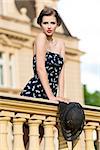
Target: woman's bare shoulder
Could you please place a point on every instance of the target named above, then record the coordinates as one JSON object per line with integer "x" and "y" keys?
{"x": 61, "y": 42}
{"x": 41, "y": 36}
{"x": 40, "y": 43}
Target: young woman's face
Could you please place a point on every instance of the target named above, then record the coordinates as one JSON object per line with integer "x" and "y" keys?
{"x": 49, "y": 25}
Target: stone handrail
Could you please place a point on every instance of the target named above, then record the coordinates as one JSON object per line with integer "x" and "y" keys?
{"x": 23, "y": 115}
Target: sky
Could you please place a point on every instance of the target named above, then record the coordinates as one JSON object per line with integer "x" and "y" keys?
{"x": 82, "y": 20}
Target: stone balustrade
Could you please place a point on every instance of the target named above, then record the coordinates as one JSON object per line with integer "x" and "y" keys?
{"x": 32, "y": 124}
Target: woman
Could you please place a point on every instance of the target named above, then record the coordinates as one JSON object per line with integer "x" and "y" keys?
{"x": 48, "y": 60}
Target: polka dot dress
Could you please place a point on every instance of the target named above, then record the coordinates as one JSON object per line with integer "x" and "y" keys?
{"x": 53, "y": 64}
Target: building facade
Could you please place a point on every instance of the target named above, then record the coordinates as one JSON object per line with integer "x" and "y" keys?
{"x": 18, "y": 30}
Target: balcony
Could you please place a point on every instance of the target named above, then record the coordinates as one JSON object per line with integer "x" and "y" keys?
{"x": 21, "y": 114}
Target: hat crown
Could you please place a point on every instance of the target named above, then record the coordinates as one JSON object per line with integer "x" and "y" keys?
{"x": 73, "y": 117}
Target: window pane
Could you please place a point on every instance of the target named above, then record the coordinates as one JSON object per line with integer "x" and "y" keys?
{"x": 10, "y": 75}
{"x": 1, "y": 68}
{"x": 1, "y": 75}
{"x": 11, "y": 78}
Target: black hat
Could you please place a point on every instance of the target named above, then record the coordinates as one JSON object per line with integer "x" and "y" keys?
{"x": 72, "y": 120}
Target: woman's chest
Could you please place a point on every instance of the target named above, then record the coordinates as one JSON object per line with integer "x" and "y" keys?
{"x": 54, "y": 47}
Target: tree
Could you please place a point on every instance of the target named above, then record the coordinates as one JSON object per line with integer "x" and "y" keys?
{"x": 91, "y": 98}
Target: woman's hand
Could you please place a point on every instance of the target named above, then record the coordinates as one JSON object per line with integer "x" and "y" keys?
{"x": 59, "y": 99}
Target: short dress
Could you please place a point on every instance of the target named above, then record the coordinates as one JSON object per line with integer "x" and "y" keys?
{"x": 53, "y": 64}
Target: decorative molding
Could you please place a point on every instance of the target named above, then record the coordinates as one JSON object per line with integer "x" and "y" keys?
{"x": 16, "y": 35}
{"x": 8, "y": 90}
{"x": 4, "y": 40}
{"x": 15, "y": 40}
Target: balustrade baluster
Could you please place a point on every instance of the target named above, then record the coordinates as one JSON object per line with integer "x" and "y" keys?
{"x": 3, "y": 132}
{"x": 10, "y": 136}
{"x": 78, "y": 144}
{"x": 34, "y": 134}
{"x": 98, "y": 138}
{"x": 89, "y": 143}
{"x": 18, "y": 133}
{"x": 56, "y": 142}
{"x": 49, "y": 135}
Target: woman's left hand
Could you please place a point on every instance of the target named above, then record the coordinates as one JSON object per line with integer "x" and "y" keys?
{"x": 61, "y": 99}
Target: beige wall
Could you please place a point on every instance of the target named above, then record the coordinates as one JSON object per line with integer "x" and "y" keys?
{"x": 73, "y": 87}
{"x": 25, "y": 66}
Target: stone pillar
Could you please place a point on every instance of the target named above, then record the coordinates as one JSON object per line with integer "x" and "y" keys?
{"x": 89, "y": 143}
{"x": 3, "y": 132}
{"x": 34, "y": 134}
{"x": 40, "y": 4}
{"x": 18, "y": 133}
{"x": 98, "y": 137}
{"x": 49, "y": 135}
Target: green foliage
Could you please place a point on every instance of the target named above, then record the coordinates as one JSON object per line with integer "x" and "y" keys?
{"x": 91, "y": 98}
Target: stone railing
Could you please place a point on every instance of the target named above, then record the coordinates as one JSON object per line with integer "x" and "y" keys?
{"x": 23, "y": 120}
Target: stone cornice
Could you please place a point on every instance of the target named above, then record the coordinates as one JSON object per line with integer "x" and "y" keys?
{"x": 17, "y": 35}
{"x": 5, "y": 41}
{"x": 73, "y": 51}
{"x": 15, "y": 39}
{"x": 13, "y": 19}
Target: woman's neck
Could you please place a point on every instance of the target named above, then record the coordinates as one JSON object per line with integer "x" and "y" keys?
{"x": 49, "y": 38}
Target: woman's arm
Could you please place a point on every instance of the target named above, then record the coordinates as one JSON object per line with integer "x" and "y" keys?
{"x": 61, "y": 77}
{"x": 41, "y": 70}
{"x": 61, "y": 83}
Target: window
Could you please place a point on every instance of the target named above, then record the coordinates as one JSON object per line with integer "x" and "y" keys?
{"x": 11, "y": 76}
{"x": 7, "y": 69}
{"x": 1, "y": 69}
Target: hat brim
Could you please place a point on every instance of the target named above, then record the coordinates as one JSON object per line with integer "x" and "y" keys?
{"x": 74, "y": 133}
{"x": 70, "y": 135}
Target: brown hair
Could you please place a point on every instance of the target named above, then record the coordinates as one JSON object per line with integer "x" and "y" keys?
{"x": 48, "y": 11}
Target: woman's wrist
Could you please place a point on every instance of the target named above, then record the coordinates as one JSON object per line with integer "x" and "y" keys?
{"x": 51, "y": 97}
